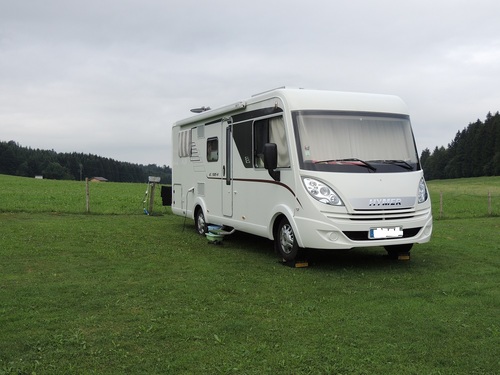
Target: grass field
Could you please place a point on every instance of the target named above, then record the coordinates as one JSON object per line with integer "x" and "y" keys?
{"x": 466, "y": 197}
{"x": 118, "y": 292}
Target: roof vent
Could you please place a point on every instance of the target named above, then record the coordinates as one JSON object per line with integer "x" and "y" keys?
{"x": 200, "y": 110}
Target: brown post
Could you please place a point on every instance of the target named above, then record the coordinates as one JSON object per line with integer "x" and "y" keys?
{"x": 490, "y": 209}
{"x": 87, "y": 194}
{"x": 440, "y": 205}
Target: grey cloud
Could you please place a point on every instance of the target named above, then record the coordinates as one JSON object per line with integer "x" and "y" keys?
{"x": 110, "y": 77}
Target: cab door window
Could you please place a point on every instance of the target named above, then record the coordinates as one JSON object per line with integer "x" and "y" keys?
{"x": 270, "y": 130}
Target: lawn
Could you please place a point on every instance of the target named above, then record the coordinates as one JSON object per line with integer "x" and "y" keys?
{"x": 118, "y": 292}
{"x": 18, "y": 194}
{"x": 467, "y": 197}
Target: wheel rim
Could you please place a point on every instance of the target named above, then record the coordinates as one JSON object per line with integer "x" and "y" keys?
{"x": 286, "y": 239}
{"x": 201, "y": 223}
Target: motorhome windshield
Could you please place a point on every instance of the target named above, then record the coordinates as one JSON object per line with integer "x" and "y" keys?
{"x": 355, "y": 143}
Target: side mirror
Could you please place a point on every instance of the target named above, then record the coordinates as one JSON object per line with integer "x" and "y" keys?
{"x": 271, "y": 160}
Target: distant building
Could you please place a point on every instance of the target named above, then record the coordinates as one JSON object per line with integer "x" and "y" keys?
{"x": 98, "y": 179}
{"x": 39, "y": 177}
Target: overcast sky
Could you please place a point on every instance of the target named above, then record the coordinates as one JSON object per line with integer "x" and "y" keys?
{"x": 110, "y": 77}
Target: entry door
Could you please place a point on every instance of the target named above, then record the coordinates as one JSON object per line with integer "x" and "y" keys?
{"x": 227, "y": 169}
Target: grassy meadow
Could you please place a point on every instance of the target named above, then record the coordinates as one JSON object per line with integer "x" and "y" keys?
{"x": 116, "y": 291}
{"x": 465, "y": 198}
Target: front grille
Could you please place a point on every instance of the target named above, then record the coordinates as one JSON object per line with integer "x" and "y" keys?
{"x": 395, "y": 214}
{"x": 363, "y": 235}
{"x": 377, "y": 215}
{"x": 370, "y": 216}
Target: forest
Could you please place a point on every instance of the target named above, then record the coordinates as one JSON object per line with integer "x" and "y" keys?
{"x": 474, "y": 152}
{"x": 24, "y": 161}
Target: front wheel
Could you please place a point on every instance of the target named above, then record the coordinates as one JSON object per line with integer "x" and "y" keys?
{"x": 285, "y": 242}
{"x": 201, "y": 224}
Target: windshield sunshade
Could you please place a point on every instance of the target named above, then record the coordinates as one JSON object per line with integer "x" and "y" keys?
{"x": 328, "y": 141}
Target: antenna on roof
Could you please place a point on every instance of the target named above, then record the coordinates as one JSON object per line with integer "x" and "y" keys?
{"x": 200, "y": 110}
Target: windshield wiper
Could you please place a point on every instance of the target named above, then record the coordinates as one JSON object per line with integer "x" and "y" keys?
{"x": 399, "y": 163}
{"x": 363, "y": 163}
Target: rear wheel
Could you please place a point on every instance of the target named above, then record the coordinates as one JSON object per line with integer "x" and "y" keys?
{"x": 285, "y": 242}
{"x": 394, "y": 251}
{"x": 199, "y": 220}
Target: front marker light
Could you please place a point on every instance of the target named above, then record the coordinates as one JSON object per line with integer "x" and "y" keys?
{"x": 322, "y": 192}
{"x": 422, "y": 191}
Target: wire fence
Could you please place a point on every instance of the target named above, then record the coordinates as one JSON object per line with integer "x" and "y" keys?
{"x": 448, "y": 205}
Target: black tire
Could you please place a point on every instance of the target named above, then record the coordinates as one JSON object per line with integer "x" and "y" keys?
{"x": 394, "y": 251}
{"x": 200, "y": 222}
{"x": 285, "y": 242}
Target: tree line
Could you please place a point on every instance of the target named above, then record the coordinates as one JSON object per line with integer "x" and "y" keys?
{"x": 24, "y": 161}
{"x": 474, "y": 152}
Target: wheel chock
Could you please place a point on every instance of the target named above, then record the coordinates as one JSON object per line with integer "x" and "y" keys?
{"x": 404, "y": 257}
{"x": 296, "y": 263}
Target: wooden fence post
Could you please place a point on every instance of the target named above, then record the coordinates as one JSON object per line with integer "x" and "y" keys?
{"x": 490, "y": 209}
{"x": 440, "y": 205}
{"x": 87, "y": 194}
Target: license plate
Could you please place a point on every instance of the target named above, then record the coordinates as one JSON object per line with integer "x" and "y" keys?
{"x": 378, "y": 233}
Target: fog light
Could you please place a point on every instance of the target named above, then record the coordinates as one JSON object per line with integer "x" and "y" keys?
{"x": 334, "y": 236}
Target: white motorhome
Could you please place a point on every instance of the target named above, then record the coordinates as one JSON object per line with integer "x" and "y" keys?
{"x": 305, "y": 168}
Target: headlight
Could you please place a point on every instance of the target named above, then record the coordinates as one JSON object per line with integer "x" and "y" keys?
{"x": 322, "y": 192}
{"x": 422, "y": 191}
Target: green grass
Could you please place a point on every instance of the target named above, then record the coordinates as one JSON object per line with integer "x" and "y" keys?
{"x": 467, "y": 197}
{"x": 19, "y": 194}
{"x": 130, "y": 293}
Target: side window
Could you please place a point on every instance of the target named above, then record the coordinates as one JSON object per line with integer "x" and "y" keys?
{"x": 270, "y": 130}
{"x": 260, "y": 138}
{"x": 212, "y": 149}
{"x": 184, "y": 143}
